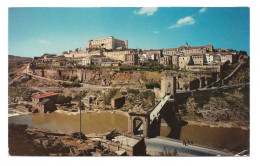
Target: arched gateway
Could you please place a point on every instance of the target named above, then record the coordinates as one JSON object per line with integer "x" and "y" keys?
{"x": 138, "y": 123}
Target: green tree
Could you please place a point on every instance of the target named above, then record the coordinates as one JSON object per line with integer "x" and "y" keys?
{"x": 151, "y": 85}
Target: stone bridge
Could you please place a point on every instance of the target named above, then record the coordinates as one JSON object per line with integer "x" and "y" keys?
{"x": 147, "y": 122}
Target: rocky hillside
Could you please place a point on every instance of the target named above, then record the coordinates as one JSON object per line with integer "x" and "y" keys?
{"x": 229, "y": 106}
{"x": 127, "y": 78}
{"x": 17, "y": 61}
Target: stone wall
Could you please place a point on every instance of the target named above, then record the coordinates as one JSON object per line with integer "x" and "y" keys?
{"x": 117, "y": 78}
{"x": 53, "y": 74}
{"x": 198, "y": 68}
{"x": 38, "y": 72}
{"x": 23, "y": 108}
{"x": 137, "y": 150}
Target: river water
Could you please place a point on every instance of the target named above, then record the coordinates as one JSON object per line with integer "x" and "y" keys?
{"x": 232, "y": 139}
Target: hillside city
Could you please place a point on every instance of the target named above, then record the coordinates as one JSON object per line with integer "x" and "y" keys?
{"x": 136, "y": 100}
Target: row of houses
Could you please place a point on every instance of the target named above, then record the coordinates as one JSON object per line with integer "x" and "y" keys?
{"x": 102, "y": 52}
{"x": 134, "y": 58}
{"x": 199, "y": 59}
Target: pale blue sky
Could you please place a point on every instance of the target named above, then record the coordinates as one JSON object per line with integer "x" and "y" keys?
{"x": 35, "y": 31}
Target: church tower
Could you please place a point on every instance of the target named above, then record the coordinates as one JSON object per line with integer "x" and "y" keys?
{"x": 186, "y": 44}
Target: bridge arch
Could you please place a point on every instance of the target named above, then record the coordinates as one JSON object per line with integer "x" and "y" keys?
{"x": 138, "y": 124}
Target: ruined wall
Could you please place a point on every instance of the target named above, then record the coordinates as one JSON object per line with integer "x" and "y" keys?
{"x": 53, "y": 74}
{"x": 194, "y": 84}
{"x": 117, "y": 78}
{"x": 117, "y": 102}
{"x": 38, "y": 72}
{"x": 113, "y": 146}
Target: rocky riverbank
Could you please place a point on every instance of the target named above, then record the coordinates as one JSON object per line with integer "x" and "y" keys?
{"x": 96, "y": 111}
{"x": 244, "y": 126}
{"x": 28, "y": 141}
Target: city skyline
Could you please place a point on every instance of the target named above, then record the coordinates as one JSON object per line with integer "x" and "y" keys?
{"x": 35, "y": 31}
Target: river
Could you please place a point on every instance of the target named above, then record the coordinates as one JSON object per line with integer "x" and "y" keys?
{"x": 233, "y": 139}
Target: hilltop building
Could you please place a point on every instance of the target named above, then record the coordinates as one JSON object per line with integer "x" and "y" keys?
{"x": 198, "y": 59}
{"x": 131, "y": 59}
{"x": 118, "y": 55}
{"x": 107, "y": 43}
{"x": 184, "y": 61}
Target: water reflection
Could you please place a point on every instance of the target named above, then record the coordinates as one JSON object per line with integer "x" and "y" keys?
{"x": 91, "y": 122}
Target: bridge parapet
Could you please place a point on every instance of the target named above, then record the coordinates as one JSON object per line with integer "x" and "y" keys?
{"x": 156, "y": 110}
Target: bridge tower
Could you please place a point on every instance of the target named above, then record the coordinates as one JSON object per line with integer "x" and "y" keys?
{"x": 168, "y": 86}
{"x": 138, "y": 123}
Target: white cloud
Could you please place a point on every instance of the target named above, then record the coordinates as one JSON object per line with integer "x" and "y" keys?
{"x": 43, "y": 41}
{"x": 156, "y": 32}
{"x": 202, "y": 10}
{"x": 183, "y": 22}
{"x": 146, "y": 10}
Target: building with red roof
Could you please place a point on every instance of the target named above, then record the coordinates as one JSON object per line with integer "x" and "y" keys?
{"x": 45, "y": 102}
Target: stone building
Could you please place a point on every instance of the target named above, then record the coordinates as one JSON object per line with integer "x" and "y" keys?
{"x": 44, "y": 102}
{"x": 95, "y": 60}
{"x": 166, "y": 60}
{"x": 198, "y": 59}
{"x": 131, "y": 59}
{"x": 170, "y": 51}
{"x": 188, "y": 50}
{"x": 194, "y": 50}
{"x": 175, "y": 60}
{"x": 118, "y": 55}
{"x": 155, "y": 54}
{"x": 142, "y": 59}
{"x": 86, "y": 61}
{"x": 107, "y": 43}
{"x": 213, "y": 58}
{"x": 184, "y": 61}
{"x": 124, "y": 144}
{"x": 232, "y": 57}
